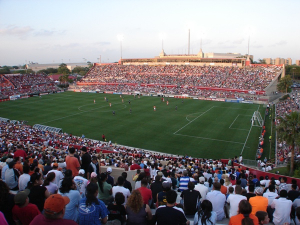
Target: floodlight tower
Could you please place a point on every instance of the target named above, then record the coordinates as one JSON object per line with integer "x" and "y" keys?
{"x": 189, "y": 43}
{"x": 120, "y": 38}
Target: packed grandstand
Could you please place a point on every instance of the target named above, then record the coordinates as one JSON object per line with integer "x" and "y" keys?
{"x": 35, "y": 153}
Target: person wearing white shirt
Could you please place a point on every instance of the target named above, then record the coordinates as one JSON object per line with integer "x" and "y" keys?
{"x": 218, "y": 200}
{"x": 201, "y": 188}
{"x": 58, "y": 174}
{"x": 234, "y": 200}
{"x": 282, "y": 208}
{"x": 120, "y": 188}
{"x": 24, "y": 178}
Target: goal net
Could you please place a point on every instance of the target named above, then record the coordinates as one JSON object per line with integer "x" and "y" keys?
{"x": 256, "y": 119}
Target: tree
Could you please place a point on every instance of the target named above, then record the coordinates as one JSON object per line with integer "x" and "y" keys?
{"x": 4, "y": 70}
{"x": 63, "y": 69}
{"x": 284, "y": 83}
{"x": 289, "y": 131}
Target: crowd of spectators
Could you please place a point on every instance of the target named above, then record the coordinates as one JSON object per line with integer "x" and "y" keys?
{"x": 20, "y": 84}
{"x": 175, "y": 79}
{"x": 41, "y": 169}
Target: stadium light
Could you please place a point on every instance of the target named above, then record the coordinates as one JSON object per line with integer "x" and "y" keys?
{"x": 162, "y": 36}
{"x": 120, "y": 38}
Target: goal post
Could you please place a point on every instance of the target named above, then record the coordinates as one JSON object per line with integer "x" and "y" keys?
{"x": 257, "y": 120}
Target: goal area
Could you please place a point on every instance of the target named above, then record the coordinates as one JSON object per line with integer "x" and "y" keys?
{"x": 257, "y": 120}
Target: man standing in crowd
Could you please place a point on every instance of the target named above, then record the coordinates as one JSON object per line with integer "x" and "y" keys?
{"x": 93, "y": 167}
{"x": 170, "y": 214}
{"x": 72, "y": 162}
{"x": 85, "y": 159}
{"x": 218, "y": 200}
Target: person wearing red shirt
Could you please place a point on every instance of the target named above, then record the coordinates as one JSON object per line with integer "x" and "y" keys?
{"x": 20, "y": 153}
{"x": 135, "y": 166}
{"x": 145, "y": 192}
{"x": 24, "y": 212}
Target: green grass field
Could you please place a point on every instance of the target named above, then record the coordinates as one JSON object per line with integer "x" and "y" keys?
{"x": 205, "y": 129}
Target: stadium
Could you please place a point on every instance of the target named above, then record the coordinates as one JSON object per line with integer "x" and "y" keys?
{"x": 171, "y": 111}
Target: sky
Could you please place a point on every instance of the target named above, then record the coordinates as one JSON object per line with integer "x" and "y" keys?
{"x": 55, "y": 31}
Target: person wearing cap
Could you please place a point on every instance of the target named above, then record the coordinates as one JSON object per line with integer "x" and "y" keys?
{"x": 258, "y": 203}
{"x": 201, "y": 188}
{"x": 58, "y": 174}
{"x": 161, "y": 196}
{"x": 23, "y": 211}
{"x": 81, "y": 182}
{"x": 12, "y": 177}
{"x": 110, "y": 180}
{"x": 54, "y": 211}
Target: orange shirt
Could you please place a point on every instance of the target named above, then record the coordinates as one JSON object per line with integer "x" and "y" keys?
{"x": 72, "y": 164}
{"x": 223, "y": 189}
{"x": 258, "y": 203}
{"x": 19, "y": 167}
{"x": 237, "y": 220}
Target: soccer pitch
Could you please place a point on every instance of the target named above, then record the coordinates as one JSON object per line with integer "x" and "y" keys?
{"x": 206, "y": 129}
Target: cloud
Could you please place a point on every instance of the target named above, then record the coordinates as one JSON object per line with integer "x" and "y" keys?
{"x": 16, "y": 31}
{"x": 102, "y": 43}
{"x": 238, "y": 41}
{"x": 44, "y": 33}
{"x": 282, "y": 42}
{"x": 256, "y": 46}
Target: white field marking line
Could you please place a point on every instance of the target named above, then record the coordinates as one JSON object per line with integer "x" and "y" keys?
{"x": 79, "y": 108}
{"x": 190, "y": 114}
{"x": 29, "y": 103}
{"x": 193, "y": 120}
{"x": 235, "y": 120}
{"x": 231, "y": 108}
{"x": 210, "y": 139}
{"x": 248, "y": 134}
{"x": 71, "y": 115}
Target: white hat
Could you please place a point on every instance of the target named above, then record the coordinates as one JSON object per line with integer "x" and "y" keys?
{"x": 81, "y": 171}
{"x": 201, "y": 179}
{"x": 109, "y": 169}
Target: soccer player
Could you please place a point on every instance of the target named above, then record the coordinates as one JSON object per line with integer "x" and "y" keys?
{"x": 154, "y": 108}
{"x": 167, "y": 102}
{"x": 94, "y": 101}
{"x": 114, "y": 112}
{"x": 176, "y": 107}
{"x": 130, "y": 110}
{"x": 129, "y": 102}
{"x": 109, "y": 104}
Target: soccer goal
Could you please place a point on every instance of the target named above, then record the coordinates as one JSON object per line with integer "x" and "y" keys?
{"x": 257, "y": 120}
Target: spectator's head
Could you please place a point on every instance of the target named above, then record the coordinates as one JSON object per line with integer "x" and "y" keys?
{"x": 185, "y": 173}
{"x": 251, "y": 188}
{"x": 81, "y": 172}
{"x": 84, "y": 149}
{"x": 272, "y": 188}
{"x": 259, "y": 191}
{"x": 50, "y": 177}
{"x": 222, "y": 181}
{"x": 54, "y": 207}
{"x": 72, "y": 150}
{"x": 238, "y": 189}
{"x": 54, "y": 165}
{"x": 166, "y": 186}
{"x": 21, "y": 198}
{"x": 11, "y": 164}
{"x": 157, "y": 178}
{"x": 91, "y": 194}
{"x": 36, "y": 179}
{"x": 245, "y": 208}
{"x": 217, "y": 186}
{"x": 124, "y": 174}
{"x": 121, "y": 181}
{"x": 202, "y": 180}
{"x": 66, "y": 185}
{"x": 144, "y": 182}
{"x": 26, "y": 168}
{"x": 283, "y": 193}
{"x": 191, "y": 185}
{"x": 230, "y": 190}
{"x": 171, "y": 197}
{"x": 109, "y": 170}
{"x": 283, "y": 180}
{"x": 262, "y": 217}
{"x": 119, "y": 198}
{"x": 294, "y": 186}
{"x": 68, "y": 173}
{"x": 135, "y": 201}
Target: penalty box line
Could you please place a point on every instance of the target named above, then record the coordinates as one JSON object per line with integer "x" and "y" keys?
{"x": 193, "y": 120}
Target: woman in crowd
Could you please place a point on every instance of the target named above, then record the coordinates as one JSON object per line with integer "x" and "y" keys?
{"x": 48, "y": 183}
{"x": 6, "y": 202}
{"x": 92, "y": 211}
{"x": 38, "y": 193}
{"x": 105, "y": 189}
{"x": 244, "y": 217}
{"x": 68, "y": 188}
{"x": 137, "y": 212}
{"x": 205, "y": 215}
